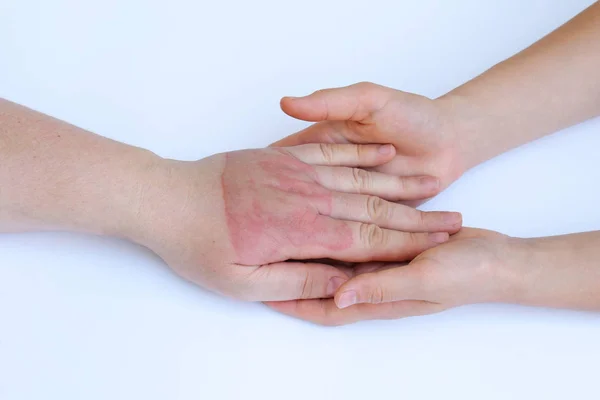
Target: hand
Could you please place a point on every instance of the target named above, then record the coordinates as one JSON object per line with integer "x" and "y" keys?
{"x": 474, "y": 266}
{"x": 231, "y": 221}
{"x": 420, "y": 128}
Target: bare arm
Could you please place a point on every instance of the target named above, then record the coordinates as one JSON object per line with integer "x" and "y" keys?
{"x": 551, "y": 85}
{"x": 55, "y": 176}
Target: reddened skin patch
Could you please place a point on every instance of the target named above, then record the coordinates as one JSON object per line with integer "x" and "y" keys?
{"x": 272, "y": 202}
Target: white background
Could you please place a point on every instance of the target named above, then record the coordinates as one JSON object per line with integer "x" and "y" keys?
{"x": 95, "y": 318}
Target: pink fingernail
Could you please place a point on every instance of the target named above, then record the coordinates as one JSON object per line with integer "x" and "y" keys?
{"x": 334, "y": 284}
{"x": 439, "y": 237}
{"x": 386, "y": 149}
{"x": 347, "y": 299}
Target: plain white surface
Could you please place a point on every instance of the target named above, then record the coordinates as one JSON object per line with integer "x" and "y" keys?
{"x": 94, "y": 318}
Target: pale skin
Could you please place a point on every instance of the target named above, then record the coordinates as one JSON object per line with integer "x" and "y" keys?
{"x": 551, "y": 85}
{"x": 229, "y": 222}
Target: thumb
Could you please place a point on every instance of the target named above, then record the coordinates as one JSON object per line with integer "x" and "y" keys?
{"x": 355, "y": 103}
{"x": 388, "y": 285}
{"x": 292, "y": 280}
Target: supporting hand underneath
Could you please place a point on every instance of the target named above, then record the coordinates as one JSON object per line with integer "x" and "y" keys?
{"x": 474, "y": 266}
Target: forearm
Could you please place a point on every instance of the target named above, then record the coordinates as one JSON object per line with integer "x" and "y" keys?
{"x": 54, "y": 176}
{"x": 553, "y": 84}
{"x": 559, "y": 271}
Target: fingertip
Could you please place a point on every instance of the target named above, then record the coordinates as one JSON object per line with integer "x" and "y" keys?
{"x": 346, "y": 298}
{"x": 386, "y": 149}
{"x": 286, "y": 100}
{"x": 386, "y": 152}
{"x": 288, "y": 105}
{"x": 454, "y": 220}
{"x": 439, "y": 237}
{"x": 429, "y": 184}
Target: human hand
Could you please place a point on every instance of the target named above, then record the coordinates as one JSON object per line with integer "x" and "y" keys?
{"x": 229, "y": 222}
{"x": 474, "y": 266}
{"x": 421, "y": 129}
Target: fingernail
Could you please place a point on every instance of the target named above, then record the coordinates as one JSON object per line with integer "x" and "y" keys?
{"x": 429, "y": 182}
{"x": 346, "y": 299}
{"x": 452, "y": 218}
{"x": 334, "y": 284}
{"x": 439, "y": 237}
{"x": 291, "y": 97}
{"x": 386, "y": 149}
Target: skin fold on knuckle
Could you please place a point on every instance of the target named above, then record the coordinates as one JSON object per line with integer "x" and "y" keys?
{"x": 307, "y": 284}
{"x": 327, "y": 152}
{"x": 378, "y": 210}
{"x": 361, "y": 180}
{"x": 372, "y": 236}
{"x": 369, "y": 289}
{"x": 248, "y": 286}
{"x": 403, "y": 185}
{"x": 361, "y": 153}
{"x": 422, "y": 219}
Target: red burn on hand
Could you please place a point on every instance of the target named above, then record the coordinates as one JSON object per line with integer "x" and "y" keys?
{"x": 272, "y": 203}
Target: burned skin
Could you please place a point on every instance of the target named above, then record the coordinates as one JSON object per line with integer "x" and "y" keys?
{"x": 277, "y": 210}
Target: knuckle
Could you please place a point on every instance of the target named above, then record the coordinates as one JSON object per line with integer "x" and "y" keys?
{"x": 377, "y": 209}
{"x": 359, "y": 152}
{"x": 327, "y": 152}
{"x": 420, "y": 218}
{"x": 372, "y": 235}
{"x": 402, "y": 185}
{"x": 414, "y": 241}
{"x": 245, "y": 286}
{"x": 361, "y": 179}
{"x": 377, "y": 295}
{"x": 365, "y": 85}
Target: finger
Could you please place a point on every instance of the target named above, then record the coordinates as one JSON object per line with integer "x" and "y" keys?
{"x": 355, "y": 103}
{"x": 385, "y": 286}
{"x": 293, "y": 280}
{"x": 362, "y": 268}
{"x": 350, "y": 155}
{"x": 385, "y": 214}
{"x": 321, "y": 132}
{"x": 359, "y": 242}
{"x": 390, "y": 187}
{"x": 325, "y": 312}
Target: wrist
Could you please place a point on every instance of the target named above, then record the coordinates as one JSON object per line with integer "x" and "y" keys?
{"x": 134, "y": 179}
{"x": 561, "y": 271}
{"x": 539, "y": 275}
{"x": 172, "y": 201}
{"x": 514, "y": 269}
{"x": 466, "y": 122}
